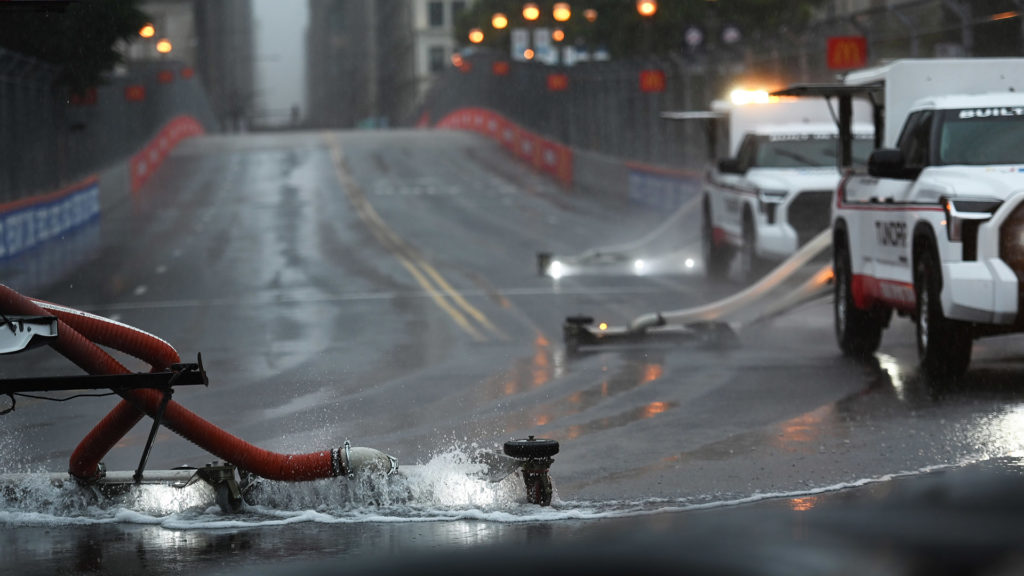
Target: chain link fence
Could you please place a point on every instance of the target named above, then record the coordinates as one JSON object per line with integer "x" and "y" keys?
{"x": 29, "y": 125}
{"x": 49, "y": 138}
{"x": 603, "y": 107}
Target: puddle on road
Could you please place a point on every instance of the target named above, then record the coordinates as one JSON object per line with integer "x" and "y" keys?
{"x": 451, "y": 485}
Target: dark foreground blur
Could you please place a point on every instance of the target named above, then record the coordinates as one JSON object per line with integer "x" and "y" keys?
{"x": 959, "y": 521}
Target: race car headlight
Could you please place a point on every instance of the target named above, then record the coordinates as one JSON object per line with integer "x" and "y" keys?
{"x": 963, "y": 216}
{"x": 556, "y": 269}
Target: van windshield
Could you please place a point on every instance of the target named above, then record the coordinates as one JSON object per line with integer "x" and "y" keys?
{"x": 806, "y": 150}
{"x": 981, "y": 136}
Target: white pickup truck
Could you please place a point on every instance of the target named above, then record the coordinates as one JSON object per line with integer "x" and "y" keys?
{"x": 773, "y": 192}
{"x": 934, "y": 228}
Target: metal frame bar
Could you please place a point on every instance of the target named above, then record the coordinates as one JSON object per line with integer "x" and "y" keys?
{"x": 180, "y": 375}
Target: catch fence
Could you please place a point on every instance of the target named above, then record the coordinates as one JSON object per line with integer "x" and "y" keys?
{"x": 613, "y": 107}
{"x": 50, "y": 138}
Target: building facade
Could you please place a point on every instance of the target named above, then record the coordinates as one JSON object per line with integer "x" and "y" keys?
{"x": 370, "y": 62}
{"x": 434, "y": 38}
{"x": 226, "y": 59}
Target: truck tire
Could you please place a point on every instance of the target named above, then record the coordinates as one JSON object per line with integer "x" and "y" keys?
{"x": 943, "y": 345}
{"x": 750, "y": 264}
{"x": 858, "y": 332}
{"x": 717, "y": 257}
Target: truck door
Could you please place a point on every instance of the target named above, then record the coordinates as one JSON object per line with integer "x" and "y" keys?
{"x": 736, "y": 190}
{"x": 894, "y": 220}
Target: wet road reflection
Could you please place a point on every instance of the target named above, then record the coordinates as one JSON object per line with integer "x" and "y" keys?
{"x": 631, "y": 376}
{"x": 316, "y": 330}
{"x": 804, "y": 503}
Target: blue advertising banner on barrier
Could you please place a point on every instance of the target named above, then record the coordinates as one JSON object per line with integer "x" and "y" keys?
{"x": 661, "y": 191}
{"x": 25, "y": 226}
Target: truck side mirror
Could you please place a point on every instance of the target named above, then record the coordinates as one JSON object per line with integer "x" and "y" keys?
{"x": 730, "y": 166}
{"x": 889, "y": 163}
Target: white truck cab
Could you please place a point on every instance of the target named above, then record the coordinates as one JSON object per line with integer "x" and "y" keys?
{"x": 934, "y": 227}
{"x": 773, "y": 191}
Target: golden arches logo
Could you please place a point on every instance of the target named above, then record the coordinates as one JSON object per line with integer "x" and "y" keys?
{"x": 846, "y": 52}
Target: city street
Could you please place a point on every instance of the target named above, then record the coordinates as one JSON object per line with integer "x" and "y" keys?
{"x": 381, "y": 287}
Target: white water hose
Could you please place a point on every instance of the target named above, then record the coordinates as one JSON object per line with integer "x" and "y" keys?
{"x": 721, "y": 308}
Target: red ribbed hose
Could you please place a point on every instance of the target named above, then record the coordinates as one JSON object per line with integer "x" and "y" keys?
{"x": 94, "y": 360}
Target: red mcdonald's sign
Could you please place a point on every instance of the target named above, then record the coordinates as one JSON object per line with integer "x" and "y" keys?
{"x": 652, "y": 81}
{"x": 558, "y": 82}
{"x": 165, "y": 76}
{"x": 187, "y": 73}
{"x": 501, "y": 68}
{"x": 847, "y": 52}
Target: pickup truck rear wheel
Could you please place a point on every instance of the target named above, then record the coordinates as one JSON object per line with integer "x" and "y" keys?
{"x": 858, "y": 332}
{"x": 717, "y": 256}
{"x": 943, "y": 345}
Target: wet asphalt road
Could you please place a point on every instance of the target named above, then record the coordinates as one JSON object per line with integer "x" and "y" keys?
{"x": 381, "y": 287}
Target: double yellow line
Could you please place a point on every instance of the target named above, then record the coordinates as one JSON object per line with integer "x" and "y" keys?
{"x": 466, "y": 316}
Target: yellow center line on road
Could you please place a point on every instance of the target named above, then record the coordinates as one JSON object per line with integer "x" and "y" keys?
{"x": 418, "y": 267}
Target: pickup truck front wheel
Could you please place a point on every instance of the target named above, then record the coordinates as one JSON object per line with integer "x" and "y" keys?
{"x": 858, "y": 332}
{"x": 751, "y": 265}
{"x": 717, "y": 256}
{"x": 943, "y": 345}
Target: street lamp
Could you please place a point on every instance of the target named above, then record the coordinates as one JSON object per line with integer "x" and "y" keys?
{"x": 499, "y": 21}
{"x": 590, "y": 15}
{"x": 647, "y": 8}
{"x": 164, "y": 46}
{"x": 531, "y": 12}
{"x": 476, "y": 35}
{"x": 561, "y": 12}
{"x": 147, "y": 31}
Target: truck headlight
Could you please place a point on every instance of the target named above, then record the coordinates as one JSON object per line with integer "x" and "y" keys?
{"x": 768, "y": 200}
{"x": 964, "y": 215}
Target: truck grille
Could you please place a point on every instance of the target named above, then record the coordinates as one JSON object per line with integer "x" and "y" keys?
{"x": 810, "y": 213}
{"x": 1011, "y": 240}
{"x": 1011, "y": 251}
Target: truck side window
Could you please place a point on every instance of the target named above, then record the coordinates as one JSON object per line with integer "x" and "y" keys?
{"x": 747, "y": 153}
{"x": 916, "y": 139}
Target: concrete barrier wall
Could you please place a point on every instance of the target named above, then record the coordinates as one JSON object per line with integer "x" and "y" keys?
{"x": 654, "y": 187}
{"x": 543, "y": 154}
{"x": 70, "y": 218}
{"x": 67, "y": 159}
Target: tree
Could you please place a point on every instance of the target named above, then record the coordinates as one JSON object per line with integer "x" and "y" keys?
{"x": 78, "y": 40}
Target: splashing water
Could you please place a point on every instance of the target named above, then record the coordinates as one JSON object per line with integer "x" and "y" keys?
{"x": 458, "y": 484}
{"x": 453, "y": 484}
